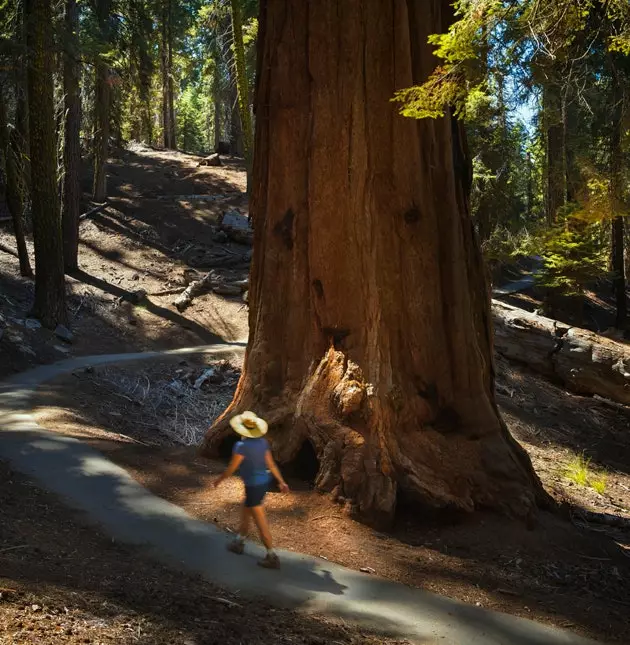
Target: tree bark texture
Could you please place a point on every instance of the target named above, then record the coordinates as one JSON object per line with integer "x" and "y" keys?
{"x": 11, "y": 186}
{"x": 49, "y": 306}
{"x": 21, "y": 96}
{"x": 240, "y": 67}
{"x": 168, "y": 112}
{"x": 616, "y": 198}
{"x": 369, "y": 322}
{"x": 72, "y": 143}
{"x": 580, "y": 360}
{"x": 555, "y": 155}
{"x": 236, "y": 131}
{"x": 102, "y": 101}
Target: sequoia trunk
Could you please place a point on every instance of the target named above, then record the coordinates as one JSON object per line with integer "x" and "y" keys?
{"x": 369, "y": 318}
{"x": 49, "y": 304}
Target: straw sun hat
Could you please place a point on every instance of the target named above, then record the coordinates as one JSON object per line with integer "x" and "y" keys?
{"x": 249, "y": 425}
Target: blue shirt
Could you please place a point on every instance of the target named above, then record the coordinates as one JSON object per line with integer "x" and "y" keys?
{"x": 253, "y": 469}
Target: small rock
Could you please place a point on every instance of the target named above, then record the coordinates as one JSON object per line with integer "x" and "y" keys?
{"x": 212, "y": 160}
{"x": 35, "y": 607}
{"x": 63, "y": 333}
{"x": 63, "y": 350}
{"x": 220, "y": 237}
{"x": 135, "y": 276}
{"x": 32, "y": 323}
{"x": 367, "y": 570}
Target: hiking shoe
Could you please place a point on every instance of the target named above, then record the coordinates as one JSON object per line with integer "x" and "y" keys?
{"x": 236, "y": 546}
{"x": 271, "y": 561}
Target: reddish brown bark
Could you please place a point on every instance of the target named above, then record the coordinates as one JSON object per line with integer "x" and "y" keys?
{"x": 369, "y": 314}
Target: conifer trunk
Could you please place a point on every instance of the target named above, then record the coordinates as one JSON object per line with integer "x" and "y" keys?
{"x": 370, "y": 333}
{"x": 72, "y": 145}
{"x": 218, "y": 106}
{"x": 49, "y": 306}
{"x": 616, "y": 190}
{"x": 246, "y": 129}
{"x": 555, "y": 151}
{"x": 102, "y": 101}
{"x": 168, "y": 110}
{"x": 11, "y": 187}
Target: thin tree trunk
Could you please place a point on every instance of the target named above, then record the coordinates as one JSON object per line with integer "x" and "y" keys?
{"x": 218, "y": 106}
{"x": 370, "y": 334}
{"x": 11, "y": 186}
{"x": 167, "y": 80}
{"x": 236, "y": 131}
{"x": 102, "y": 100}
{"x": 15, "y": 200}
{"x": 21, "y": 107}
{"x": 72, "y": 144}
{"x": 616, "y": 190}
{"x": 246, "y": 129}
{"x": 171, "y": 91}
{"x": 556, "y": 174}
{"x": 50, "y": 305}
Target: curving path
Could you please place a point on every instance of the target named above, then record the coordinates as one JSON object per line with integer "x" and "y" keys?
{"x": 110, "y": 498}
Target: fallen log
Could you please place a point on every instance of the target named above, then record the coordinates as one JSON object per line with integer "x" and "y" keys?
{"x": 92, "y": 211}
{"x": 582, "y": 361}
{"x": 194, "y": 289}
{"x": 210, "y": 282}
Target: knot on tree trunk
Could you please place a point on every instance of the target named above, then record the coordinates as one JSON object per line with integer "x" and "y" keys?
{"x": 349, "y": 394}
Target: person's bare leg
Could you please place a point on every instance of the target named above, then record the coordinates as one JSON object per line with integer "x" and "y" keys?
{"x": 260, "y": 517}
{"x": 271, "y": 560}
{"x": 243, "y": 531}
{"x": 238, "y": 543}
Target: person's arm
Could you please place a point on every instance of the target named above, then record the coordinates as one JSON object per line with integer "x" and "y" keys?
{"x": 275, "y": 471}
{"x": 235, "y": 462}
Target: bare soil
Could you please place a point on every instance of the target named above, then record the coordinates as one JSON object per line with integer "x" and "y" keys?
{"x": 158, "y": 222}
{"x": 563, "y": 572}
{"x": 63, "y": 582}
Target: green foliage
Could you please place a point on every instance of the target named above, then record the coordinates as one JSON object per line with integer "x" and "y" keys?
{"x": 191, "y": 131}
{"x": 505, "y": 247}
{"x": 574, "y": 252}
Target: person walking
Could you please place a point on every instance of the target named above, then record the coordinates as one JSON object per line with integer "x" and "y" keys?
{"x": 255, "y": 464}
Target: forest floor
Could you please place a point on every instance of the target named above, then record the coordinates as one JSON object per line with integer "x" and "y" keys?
{"x": 564, "y": 572}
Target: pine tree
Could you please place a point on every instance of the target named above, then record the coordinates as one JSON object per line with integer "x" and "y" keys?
{"x": 50, "y": 303}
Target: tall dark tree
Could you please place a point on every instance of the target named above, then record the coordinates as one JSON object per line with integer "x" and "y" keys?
{"x": 166, "y": 53}
{"x": 246, "y": 138}
{"x": 50, "y": 301}
{"x": 102, "y": 103}
{"x": 616, "y": 199}
{"x": 72, "y": 146}
{"x": 12, "y": 186}
{"x": 370, "y": 331}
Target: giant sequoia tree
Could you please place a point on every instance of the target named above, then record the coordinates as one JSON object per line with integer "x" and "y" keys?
{"x": 369, "y": 316}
